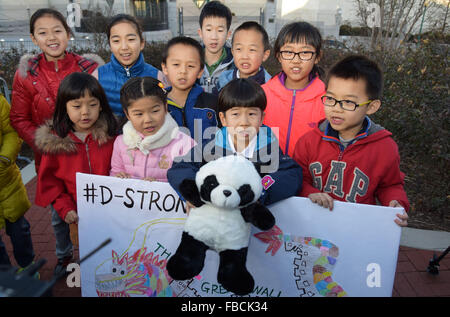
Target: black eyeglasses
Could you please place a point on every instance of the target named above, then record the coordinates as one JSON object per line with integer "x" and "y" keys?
{"x": 304, "y": 56}
{"x": 345, "y": 104}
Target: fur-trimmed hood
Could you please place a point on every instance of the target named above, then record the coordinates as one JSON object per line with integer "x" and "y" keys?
{"x": 48, "y": 142}
{"x": 28, "y": 60}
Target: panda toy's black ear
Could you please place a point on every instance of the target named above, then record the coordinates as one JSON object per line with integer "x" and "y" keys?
{"x": 189, "y": 190}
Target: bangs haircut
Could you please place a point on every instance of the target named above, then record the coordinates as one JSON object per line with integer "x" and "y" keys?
{"x": 358, "y": 67}
{"x": 120, "y": 18}
{"x": 252, "y": 25}
{"x": 140, "y": 87}
{"x": 188, "y": 41}
{"x": 75, "y": 86}
{"x": 299, "y": 32}
{"x": 51, "y": 13}
{"x": 215, "y": 9}
{"x": 242, "y": 92}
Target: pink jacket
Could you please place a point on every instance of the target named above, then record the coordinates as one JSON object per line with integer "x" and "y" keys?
{"x": 293, "y": 112}
{"x": 151, "y": 156}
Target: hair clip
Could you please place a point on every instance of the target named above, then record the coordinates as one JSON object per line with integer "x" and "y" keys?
{"x": 160, "y": 85}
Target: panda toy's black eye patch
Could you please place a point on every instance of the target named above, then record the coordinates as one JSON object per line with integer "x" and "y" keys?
{"x": 208, "y": 185}
{"x": 246, "y": 193}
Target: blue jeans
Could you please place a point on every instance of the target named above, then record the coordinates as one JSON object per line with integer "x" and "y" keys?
{"x": 20, "y": 235}
{"x": 62, "y": 235}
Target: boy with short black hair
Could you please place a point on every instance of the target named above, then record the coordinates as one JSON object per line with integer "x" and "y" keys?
{"x": 182, "y": 63}
{"x": 348, "y": 157}
{"x": 215, "y": 22}
{"x": 250, "y": 47}
{"x": 241, "y": 111}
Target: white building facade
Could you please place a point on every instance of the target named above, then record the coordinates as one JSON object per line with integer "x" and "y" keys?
{"x": 163, "y": 19}
{"x": 15, "y": 14}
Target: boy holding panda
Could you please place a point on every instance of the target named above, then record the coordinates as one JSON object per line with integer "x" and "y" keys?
{"x": 241, "y": 108}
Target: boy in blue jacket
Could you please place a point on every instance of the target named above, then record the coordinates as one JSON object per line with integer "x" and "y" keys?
{"x": 182, "y": 63}
{"x": 241, "y": 108}
{"x": 250, "y": 48}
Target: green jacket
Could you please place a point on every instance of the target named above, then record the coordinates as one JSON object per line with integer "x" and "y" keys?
{"x": 13, "y": 195}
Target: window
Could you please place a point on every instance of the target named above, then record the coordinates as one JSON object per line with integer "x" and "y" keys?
{"x": 152, "y": 14}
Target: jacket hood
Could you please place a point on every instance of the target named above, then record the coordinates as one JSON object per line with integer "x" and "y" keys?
{"x": 26, "y": 61}
{"x": 48, "y": 142}
{"x": 24, "y": 65}
{"x": 229, "y": 57}
{"x": 369, "y": 133}
{"x": 94, "y": 57}
{"x": 312, "y": 91}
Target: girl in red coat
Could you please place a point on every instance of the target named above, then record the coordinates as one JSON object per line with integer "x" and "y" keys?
{"x": 38, "y": 77}
{"x": 293, "y": 96}
{"x": 80, "y": 139}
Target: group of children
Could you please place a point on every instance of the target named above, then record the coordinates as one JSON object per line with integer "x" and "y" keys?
{"x": 130, "y": 120}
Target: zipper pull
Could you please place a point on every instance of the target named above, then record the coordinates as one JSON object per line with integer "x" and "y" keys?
{"x": 341, "y": 153}
{"x": 128, "y": 72}
{"x": 293, "y": 99}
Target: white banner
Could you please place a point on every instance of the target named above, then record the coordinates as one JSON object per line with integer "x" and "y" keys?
{"x": 351, "y": 251}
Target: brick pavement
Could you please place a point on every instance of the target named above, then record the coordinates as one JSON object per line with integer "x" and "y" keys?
{"x": 411, "y": 279}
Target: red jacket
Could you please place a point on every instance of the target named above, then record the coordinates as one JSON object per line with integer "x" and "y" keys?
{"x": 35, "y": 88}
{"x": 366, "y": 170}
{"x": 294, "y": 112}
{"x": 62, "y": 158}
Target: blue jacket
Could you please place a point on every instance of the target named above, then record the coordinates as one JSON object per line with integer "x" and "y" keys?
{"x": 281, "y": 175}
{"x": 261, "y": 77}
{"x": 113, "y": 75}
{"x": 199, "y": 105}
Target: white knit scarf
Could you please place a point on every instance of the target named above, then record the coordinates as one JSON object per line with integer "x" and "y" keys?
{"x": 133, "y": 139}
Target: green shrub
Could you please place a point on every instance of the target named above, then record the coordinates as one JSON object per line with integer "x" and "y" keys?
{"x": 355, "y": 30}
{"x": 416, "y": 109}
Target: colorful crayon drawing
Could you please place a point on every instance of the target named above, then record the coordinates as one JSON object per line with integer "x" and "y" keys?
{"x": 325, "y": 252}
{"x": 141, "y": 274}
{"x": 138, "y": 272}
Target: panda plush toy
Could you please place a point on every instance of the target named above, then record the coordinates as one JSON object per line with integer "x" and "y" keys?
{"x": 225, "y": 193}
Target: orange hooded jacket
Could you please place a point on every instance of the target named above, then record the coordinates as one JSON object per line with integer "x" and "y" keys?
{"x": 293, "y": 111}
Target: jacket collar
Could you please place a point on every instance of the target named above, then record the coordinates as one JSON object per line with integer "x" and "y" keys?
{"x": 41, "y": 61}
{"x": 313, "y": 90}
{"x": 259, "y": 77}
{"x": 47, "y": 141}
{"x": 191, "y": 99}
{"x": 369, "y": 128}
{"x": 264, "y": 138}
{"x": 225, "y": 63}
{"x": 282, "y": 78}
{"x": 133, "y": 71}
{"x": 32, "y": 63}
